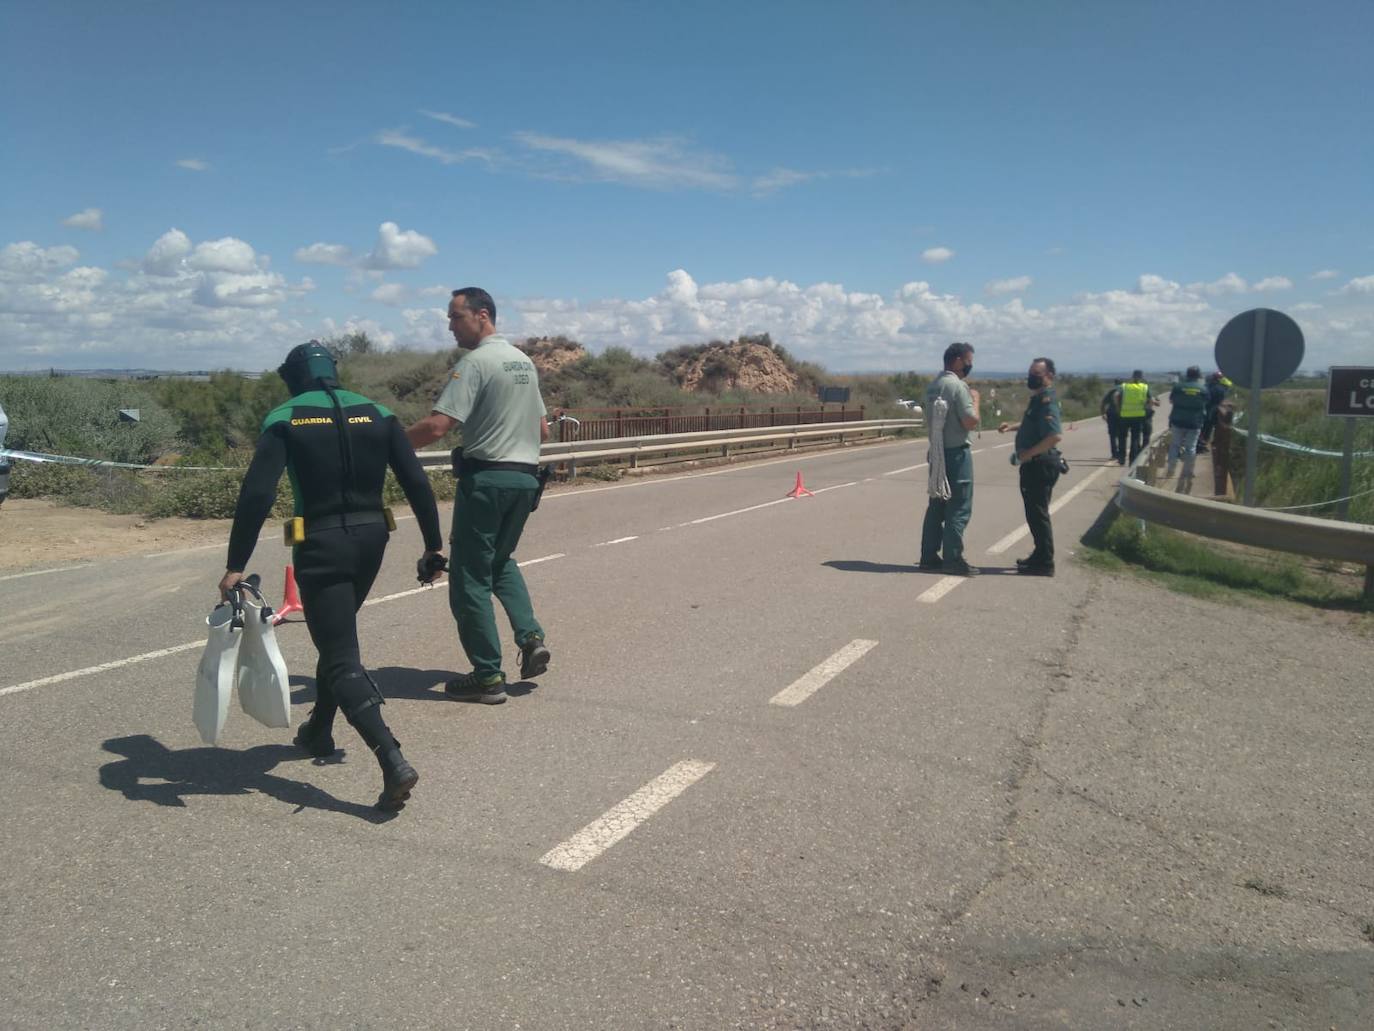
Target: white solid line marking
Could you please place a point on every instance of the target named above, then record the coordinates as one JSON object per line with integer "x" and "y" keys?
{"x": 906, "y": 469}
{"x": 618, "y": 540}
{"x": 147, "y": 656}
{"x": 59, "y": 677}
{"x": 738, "y": 511}
{"x": 946, "y": 584}
{"x": 809, "y": 683}
{"x": 838, "y": 486}
{"x": 1015, "y": 535}
{"x": 40, "y": 572}
{"x": 616, "y": 823}
{"x": 545, "y": 558}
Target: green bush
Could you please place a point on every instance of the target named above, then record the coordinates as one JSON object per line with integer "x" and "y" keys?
{"x": 80, "y": 417}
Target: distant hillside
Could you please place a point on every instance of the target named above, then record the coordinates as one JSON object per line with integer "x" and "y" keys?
{"x": 751, "y": 365}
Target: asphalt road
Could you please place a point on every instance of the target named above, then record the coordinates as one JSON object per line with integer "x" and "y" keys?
{"x": 1002, "y": 802}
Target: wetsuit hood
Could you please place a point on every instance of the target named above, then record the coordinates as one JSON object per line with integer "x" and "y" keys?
{"x": 308, "y": 367}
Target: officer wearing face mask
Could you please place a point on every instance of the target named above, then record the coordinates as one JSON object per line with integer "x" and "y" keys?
{"x": 1037, "y": 438}
{"x": 942, "y": 533}
{"x": 337, "y": 447}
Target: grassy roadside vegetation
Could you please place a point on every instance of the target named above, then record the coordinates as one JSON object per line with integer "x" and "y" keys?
{"x": 215, "y": 423}
{"x": 1206, "y": 568}
{"x": 1284, "y": 478}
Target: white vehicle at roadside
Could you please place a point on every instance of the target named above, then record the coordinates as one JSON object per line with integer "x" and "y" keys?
{"x": 4, "y": 462}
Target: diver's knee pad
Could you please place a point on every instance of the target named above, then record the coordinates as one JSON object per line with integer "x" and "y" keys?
{"x": 355, "y": 693}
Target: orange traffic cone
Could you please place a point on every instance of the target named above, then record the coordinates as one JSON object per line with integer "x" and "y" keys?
{"x": 292, "y": 601}
{"x": 799, "y": 491}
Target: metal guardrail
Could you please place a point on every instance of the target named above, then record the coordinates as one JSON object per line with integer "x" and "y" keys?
{"x": 667, "y": 443}
{"x": 1277, "y": 531}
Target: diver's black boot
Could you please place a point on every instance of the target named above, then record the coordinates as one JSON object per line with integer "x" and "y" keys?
{"x": 315, "y": 734}
{"x": 398, "y": 777}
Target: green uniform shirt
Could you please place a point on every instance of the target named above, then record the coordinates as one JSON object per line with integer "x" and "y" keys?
{"x": 493, "y": 392}
{"x": 955, "y": 393}
{"x": 1040, "y": 421}
{"x": 1188, "y": 404}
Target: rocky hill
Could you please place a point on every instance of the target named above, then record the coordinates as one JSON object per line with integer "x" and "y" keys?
{"x": 550, "y": 354}
{"x": 753, "y": 365}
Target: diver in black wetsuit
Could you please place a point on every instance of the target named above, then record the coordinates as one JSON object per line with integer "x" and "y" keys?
{"x": 336, "y": 446}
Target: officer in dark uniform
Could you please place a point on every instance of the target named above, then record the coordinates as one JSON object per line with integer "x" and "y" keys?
{"x": 336, "y": 446}
{"x": 1111, "y": 403}
{"x": 1036, "y": 452}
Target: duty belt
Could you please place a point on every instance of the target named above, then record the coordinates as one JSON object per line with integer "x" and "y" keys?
{"x": 464, "y": 464}
{"x": 341, "y": 519}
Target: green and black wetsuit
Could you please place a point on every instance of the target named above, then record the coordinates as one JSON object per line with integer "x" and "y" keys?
{"x": 336, "y": 458}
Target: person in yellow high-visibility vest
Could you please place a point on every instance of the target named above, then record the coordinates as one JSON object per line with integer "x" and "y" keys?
{"x": 1134, "y": 406}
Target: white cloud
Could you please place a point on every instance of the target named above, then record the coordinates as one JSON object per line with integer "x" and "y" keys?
{"x": 224, "y": 255}
{"x": 780, "y": 178}
{"x": 401, "y": 139}
{"x": 1273, "y": 283}
{"x": 1227, "y": 284}
{"x": 1326, "y": 273}
{"x": 390, "y": 293}
{"x": 194, "y": 164}
{"x": 448, "y": 119}
{"x": 90, "y": 218}
{"x": 28, "y": 259}
{"x": 399, "y": 249}
{"x": 324, "y": 254}
{"x": 167, "y": 256}
{"x": 663, "y": 163}
{"x": 1015, "y": 285}
{"x": 936, "y": 255}
{"x": 184, "y": 307}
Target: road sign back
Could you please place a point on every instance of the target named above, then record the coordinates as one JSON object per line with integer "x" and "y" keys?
{"x": 1280, "y": 338}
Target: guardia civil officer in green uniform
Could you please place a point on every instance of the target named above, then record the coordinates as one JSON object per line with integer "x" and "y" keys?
{"x": 942, "y": 531}
{"x": 1036, "y": 452}
{"x": 1187, "y": 413}
{"x": 493, "y": 395}
{"x": 335, "y": 446}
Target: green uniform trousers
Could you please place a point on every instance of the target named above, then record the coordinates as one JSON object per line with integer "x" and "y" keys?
{"x": 489, "y": 515}
{"x": 942, "y": 531}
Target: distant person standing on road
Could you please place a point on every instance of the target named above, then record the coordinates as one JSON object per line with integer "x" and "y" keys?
{"x": 947, "y": 517}
{"x": 493, "y": 395}
{"x": 1134, "y": 405}
{"x": 1216, "y": 394}
{"x": 1036, "y": 452}
{"x": 1108, "y": 410}
{"x": 1187, "y": 409}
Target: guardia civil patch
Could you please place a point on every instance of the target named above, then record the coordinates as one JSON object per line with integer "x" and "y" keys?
{"x": 457, "y": 375}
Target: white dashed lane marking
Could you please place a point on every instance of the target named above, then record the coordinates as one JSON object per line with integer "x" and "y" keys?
{"x": 943, "y": 587}
{"x": 616, "y": 823}
{"x": 808, "y": 684}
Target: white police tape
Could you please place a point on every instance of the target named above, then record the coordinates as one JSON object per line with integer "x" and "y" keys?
{"x": 35, "y": 456}
{"x": 1301, "y": 449}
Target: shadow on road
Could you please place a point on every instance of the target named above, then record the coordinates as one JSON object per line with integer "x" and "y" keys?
{"x": 152, "y": 772}
{"x": 406, "y": 682}
{"x": 858, "y": 565}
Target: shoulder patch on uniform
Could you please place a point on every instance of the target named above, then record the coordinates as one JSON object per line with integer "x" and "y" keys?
{"x": 456, "y": 375}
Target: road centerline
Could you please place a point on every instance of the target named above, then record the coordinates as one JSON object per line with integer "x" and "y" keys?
{"x": 812, "y": 681}
{"x": 617, "y": 822}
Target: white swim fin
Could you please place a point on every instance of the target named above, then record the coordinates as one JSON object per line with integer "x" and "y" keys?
{"x": 264, "y": 686}
{"x": 215, "y": 676}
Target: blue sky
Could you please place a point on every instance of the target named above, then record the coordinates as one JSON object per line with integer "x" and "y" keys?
{"x": 189, "y": 186}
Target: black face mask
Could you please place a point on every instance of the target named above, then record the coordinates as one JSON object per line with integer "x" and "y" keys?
{"x": 968, "y": 370}
{"x": 1035, "y": 382}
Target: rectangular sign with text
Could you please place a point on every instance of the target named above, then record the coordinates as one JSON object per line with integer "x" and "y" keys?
{"x": 1350, "y": 390}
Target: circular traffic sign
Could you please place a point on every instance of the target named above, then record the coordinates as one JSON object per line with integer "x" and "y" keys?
{"x": 1282, "y": 343}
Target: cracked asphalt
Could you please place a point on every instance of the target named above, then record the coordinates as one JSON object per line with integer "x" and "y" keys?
{"x": 1080, "y": 802}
